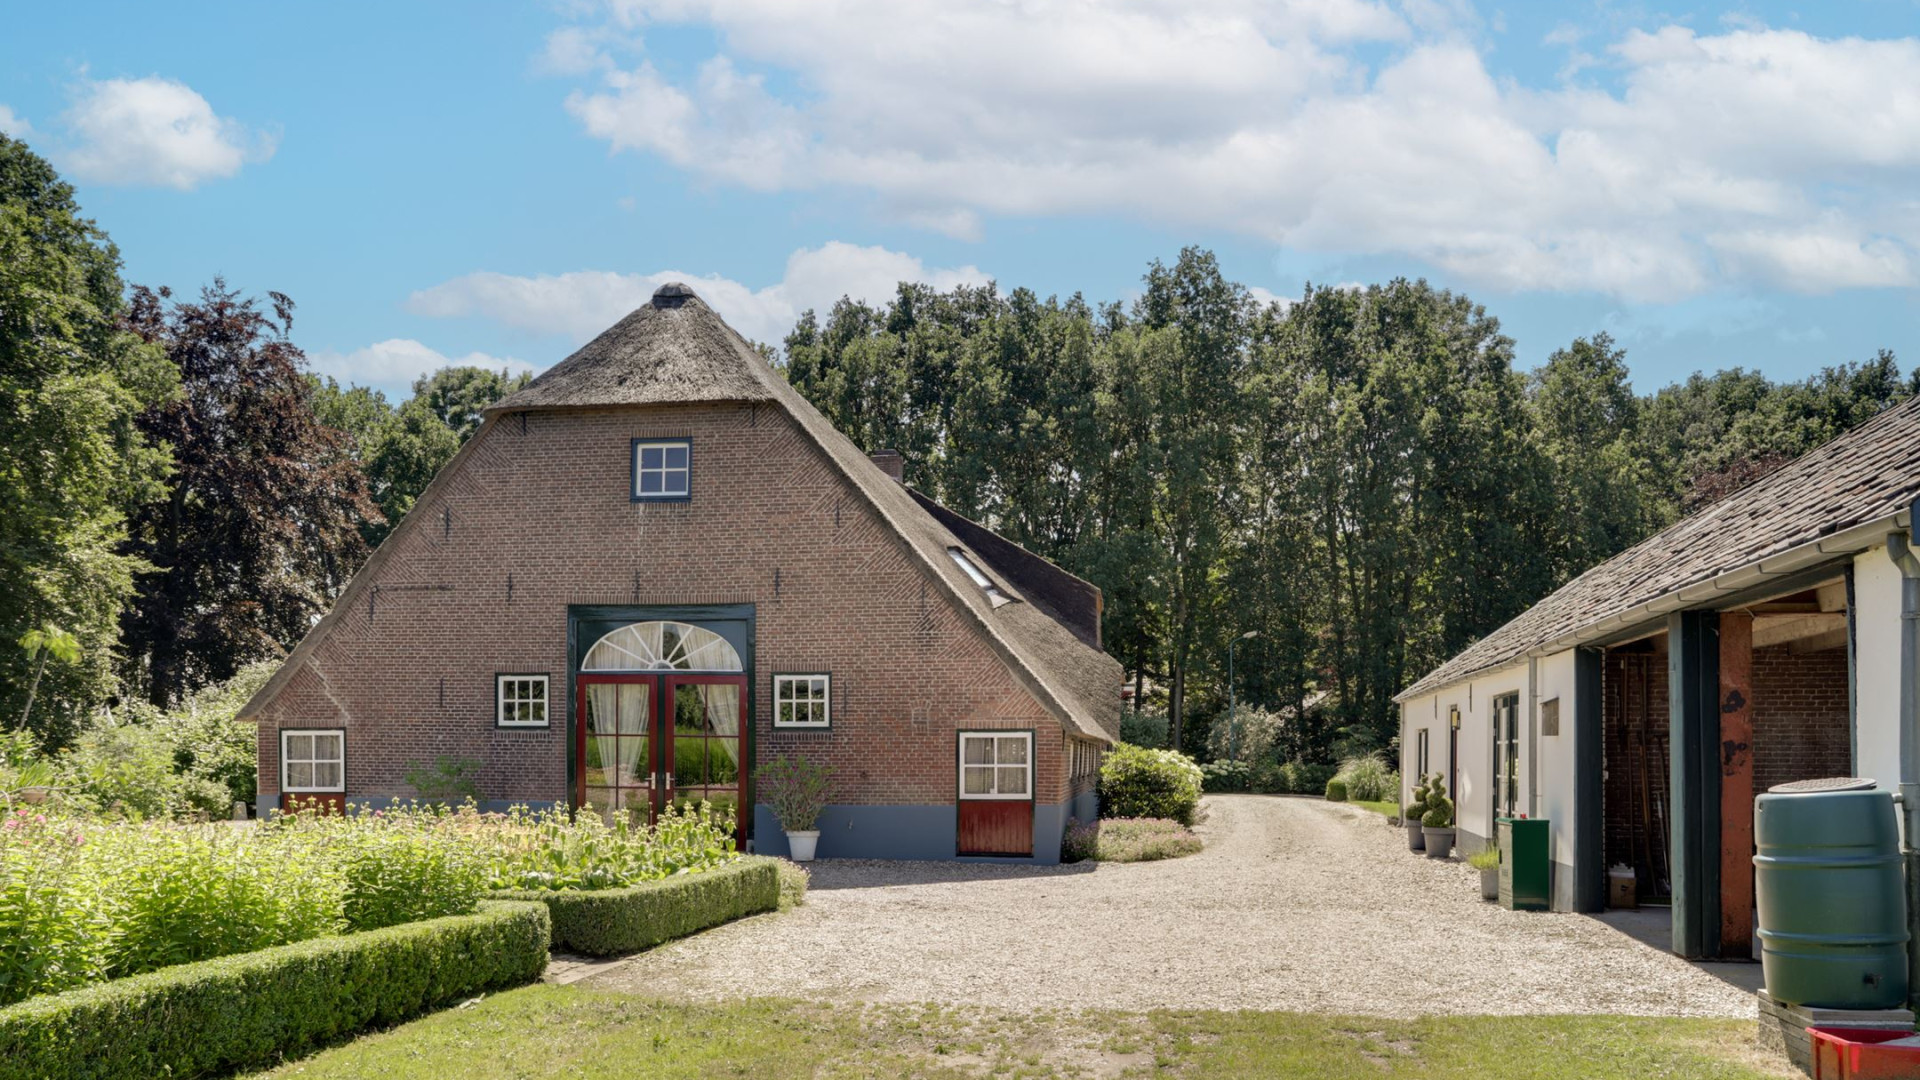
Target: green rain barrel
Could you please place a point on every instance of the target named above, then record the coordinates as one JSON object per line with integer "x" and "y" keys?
{"x": 1833, "y": 913}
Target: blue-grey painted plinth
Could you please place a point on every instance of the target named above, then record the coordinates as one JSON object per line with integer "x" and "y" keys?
{"x": 912, "y": 832}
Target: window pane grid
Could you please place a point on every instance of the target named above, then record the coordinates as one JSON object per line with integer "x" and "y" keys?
{"x": 662, "y": 470}
{"x": 522, "y": 700}
{"x": 313, "y": 761}
{"x": 802, "y": 700}
{"x": 996, "y": 766}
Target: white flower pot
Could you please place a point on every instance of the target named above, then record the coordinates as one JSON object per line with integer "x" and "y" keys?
{"x": 800, "y": 845}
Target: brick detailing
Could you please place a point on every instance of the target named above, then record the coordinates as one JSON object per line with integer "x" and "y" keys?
{"x": 1800, "y": 723}
{"x": 408, "y": 669}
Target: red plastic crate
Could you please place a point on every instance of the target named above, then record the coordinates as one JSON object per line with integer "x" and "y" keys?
{"x": 1846, "y": 1053}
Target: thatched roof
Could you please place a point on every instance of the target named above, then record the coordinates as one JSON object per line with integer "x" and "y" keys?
{"x": 674, "y": 349}
{"x": 1869, "y": 475}
{"x": 677, "y": 349}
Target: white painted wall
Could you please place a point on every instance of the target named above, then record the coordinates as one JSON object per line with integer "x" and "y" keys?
{"x": 1876, "y": 597}
{"x": 1554, "y": 795}
{"x": 1546, "y": 761}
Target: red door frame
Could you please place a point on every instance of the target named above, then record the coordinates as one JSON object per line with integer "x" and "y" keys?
{"x": 670, "y": 685}
{"x": 661, "y": 687}
{"x": 581, "y": 682}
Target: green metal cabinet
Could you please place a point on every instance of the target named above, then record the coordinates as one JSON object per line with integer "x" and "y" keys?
{"x": 1526, "y": 864}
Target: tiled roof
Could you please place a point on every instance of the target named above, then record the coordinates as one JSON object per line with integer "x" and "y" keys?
{"x": 1869, "y": 474}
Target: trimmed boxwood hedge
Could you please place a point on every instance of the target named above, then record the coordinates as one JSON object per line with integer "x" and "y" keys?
{"x": 607, "y": 922}
{"x": 253, "y": 1009}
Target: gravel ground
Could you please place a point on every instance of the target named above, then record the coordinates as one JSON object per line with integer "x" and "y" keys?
{"x": 1295, "y": 904}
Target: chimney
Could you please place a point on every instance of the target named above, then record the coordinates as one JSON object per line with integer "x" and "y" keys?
{"x": 891, "y": 463}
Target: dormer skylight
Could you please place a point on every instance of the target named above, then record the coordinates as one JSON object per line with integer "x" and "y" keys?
{"x": 979, "y": 577}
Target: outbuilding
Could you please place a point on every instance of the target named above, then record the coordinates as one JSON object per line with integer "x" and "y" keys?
{"x": 1768, "y": 638}
{"x": 658, "y": 564}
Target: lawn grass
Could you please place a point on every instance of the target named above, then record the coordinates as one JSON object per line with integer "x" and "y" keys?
{"x": 1383, "y": 808}
{"x": 549, "y": 1031}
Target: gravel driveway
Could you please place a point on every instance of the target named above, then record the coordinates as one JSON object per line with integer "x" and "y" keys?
{"x": 1295, "y": 904}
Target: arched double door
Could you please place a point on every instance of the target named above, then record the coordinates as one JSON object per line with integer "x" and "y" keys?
{"x": 662, "y": 720}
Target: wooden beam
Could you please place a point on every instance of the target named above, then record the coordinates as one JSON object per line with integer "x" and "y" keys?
{"x": 1736, "y": 784}
{"x": 1770, "y": 630}
{"x": 1832, "y": 639}
{"x": 1833, "y": 596}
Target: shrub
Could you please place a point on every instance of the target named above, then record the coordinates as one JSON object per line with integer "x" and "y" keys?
{"x": 184, "y": 894}
{"x": 1438, "y": 813}
{"x": 194, "y": 761}
{"x": 1484, "y": 859}
{"x": 257, "y": 1008}
{"x": 1137, "y": 783}
{"x": 1336, "y": 791}
{"x": 1225, "y": 776}
{"x": 84, "y": 901}
{"x": 1369, "y": 779}
{"x": 794, "y": 879}
{"x": 796, "y": 788}
{"x": 1147, "y": 728}
{"x": 450, "y": 780}
{"x": 400, "y": 875}
{"x": 1130, "y": 840}
{"x": 1248, "y": 736}
{"x": 609, "y": 922}
{"x": 552, "y": 849}
{"x": 1081, "y": 842}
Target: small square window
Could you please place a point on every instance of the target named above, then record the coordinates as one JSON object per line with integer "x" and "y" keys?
{"x": 662, "y": 469}
{"x": 313, "y": 761}
{"x": 520, "y": 700}
{"x": 802, "y": 701}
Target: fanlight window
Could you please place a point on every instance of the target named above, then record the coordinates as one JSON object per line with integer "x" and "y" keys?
{"x": 657, "y": 646}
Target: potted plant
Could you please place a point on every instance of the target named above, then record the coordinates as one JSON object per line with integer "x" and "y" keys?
{"x": 797, "y": 790}
{"x": 1487, "y": 861}
{"x": 1437, "y": 822}
{"x": 1410, "y": 817}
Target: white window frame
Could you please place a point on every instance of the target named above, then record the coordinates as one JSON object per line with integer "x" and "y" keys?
{"x": 685, "y": 491}
{"x": 313, "y": 789}
{"x": 820, "y": 710}
{"x": 960, "y": 776}
{"x": 501, "y": 698}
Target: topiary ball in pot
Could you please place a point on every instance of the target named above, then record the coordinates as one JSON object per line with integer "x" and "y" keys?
{"x": 1437, "y": 822}
{"x": 1410, "y": 817}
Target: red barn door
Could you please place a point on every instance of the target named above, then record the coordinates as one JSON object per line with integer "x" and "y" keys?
{"x": 996, "y": 793}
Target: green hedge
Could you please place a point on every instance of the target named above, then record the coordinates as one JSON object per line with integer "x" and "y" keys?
{"x": 607, "y": 922}
{"x": 253, "y": 1009}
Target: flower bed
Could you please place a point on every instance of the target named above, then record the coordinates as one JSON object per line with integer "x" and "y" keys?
{"x": 609, "y": 922}
{"x": 1128, "y": 840}
{"x": 259, "y": 1007}
{"x": 85, "y": 902}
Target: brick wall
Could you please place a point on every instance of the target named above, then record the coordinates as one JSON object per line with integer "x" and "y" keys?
{"x": 1634, "y": 703}
{"x": 408, "y": 670}
{"x": 1800, "y": 726}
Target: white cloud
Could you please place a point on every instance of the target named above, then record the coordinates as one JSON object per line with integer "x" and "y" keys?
{"x": 13, "y": 124}
{"x": 396, "y": 362}
{"x": 582, "y": 303}
{"x": 154, "y": 131}
{"x": 1704, "y": 160}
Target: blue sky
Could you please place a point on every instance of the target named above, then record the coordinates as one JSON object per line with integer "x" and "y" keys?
{"x": 1714, "y": 186}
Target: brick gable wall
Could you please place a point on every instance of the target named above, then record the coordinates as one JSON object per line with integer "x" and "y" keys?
{"x": 535, "y": 519}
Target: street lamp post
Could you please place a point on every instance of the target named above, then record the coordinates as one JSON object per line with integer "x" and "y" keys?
{"x": 1233, "y": 720}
